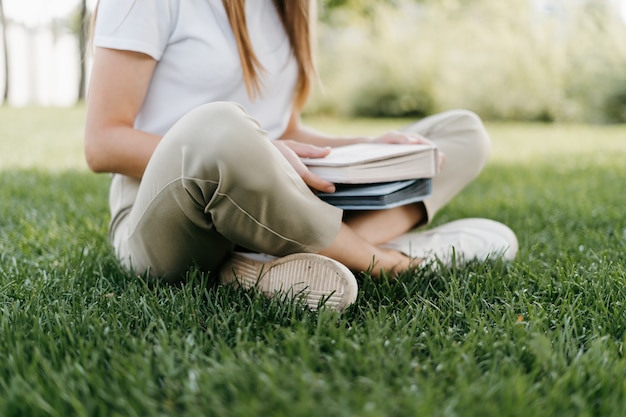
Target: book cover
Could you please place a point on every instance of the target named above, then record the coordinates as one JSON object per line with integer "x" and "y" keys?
{"x": 376, "y": 162}
{"x": 380, "y": 195}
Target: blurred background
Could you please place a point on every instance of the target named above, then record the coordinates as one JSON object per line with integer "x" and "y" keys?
{"x": 525, "y": 60}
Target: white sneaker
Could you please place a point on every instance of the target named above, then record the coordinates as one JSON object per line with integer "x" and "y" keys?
{"x": 461, "y": 240}
{"x": 311, "y": 277}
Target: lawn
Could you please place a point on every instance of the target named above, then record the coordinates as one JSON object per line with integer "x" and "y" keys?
{"x": 542, "y": 336}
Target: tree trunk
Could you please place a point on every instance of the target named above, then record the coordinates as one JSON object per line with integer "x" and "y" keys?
{"x": 82, "y": 44}
{"x": 3, "y": 22}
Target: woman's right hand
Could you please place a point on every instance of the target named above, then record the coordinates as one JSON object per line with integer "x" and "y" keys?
{"x": 293, "y": 151}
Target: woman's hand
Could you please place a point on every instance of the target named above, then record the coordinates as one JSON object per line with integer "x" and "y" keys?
{"x": 293, "y": 151}
{"x": 401, "y": 137}
{"x": 408, "y": 138}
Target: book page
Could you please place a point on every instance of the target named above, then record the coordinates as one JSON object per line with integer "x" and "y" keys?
{"x": 365, "y": 152}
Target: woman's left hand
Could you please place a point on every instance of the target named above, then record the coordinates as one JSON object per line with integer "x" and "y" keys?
{"x": 408, "y": 138}
{"x": 401, "y": 137}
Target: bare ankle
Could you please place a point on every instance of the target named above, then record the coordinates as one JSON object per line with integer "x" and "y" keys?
{"x": 391, "y": 262}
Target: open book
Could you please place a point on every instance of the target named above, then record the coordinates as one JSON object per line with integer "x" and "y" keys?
{"x": 376, "y": 162}
{"x": 378, "y": 196}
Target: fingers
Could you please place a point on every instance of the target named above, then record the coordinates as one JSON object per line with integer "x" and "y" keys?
{"x": 312, "y": 180}
{"x": 442, "y": 159}
{"x": 316, "y": 182}
{"x": 402, "y": 137}
{"x": 305, "y": 150}
{"x": 293, "y": 151}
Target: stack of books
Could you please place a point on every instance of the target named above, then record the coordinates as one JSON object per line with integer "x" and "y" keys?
{"x": 374, "y": 176}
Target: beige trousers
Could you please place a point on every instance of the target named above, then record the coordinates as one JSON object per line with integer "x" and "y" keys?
{"x": 462, "y": 137}
{"x": 216, "y": 181}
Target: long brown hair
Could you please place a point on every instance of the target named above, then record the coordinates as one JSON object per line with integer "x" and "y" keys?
{"x": 298, "y": 18}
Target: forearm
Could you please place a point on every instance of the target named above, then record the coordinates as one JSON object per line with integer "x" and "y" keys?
{"x": 119, "y": 149}
{"x": 119, "y": 84}
{"x": 304, "y": 134}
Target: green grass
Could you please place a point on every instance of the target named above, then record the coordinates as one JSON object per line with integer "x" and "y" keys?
{"x": 542, "y": 336}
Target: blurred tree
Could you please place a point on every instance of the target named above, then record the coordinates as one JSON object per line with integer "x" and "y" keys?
{"x": 364, "y": 8}
{"x": 82, "y": 45}
{"x": 5, "y": 49}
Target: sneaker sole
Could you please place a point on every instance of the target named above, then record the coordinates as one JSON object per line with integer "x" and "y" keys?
{"x": 315, "y": 279}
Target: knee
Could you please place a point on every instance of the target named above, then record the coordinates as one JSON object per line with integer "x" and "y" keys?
{"x": 210, "y": 138}
{"x": 474, "y": 145}
{"x": 481, "y": 142}
{"x": 213, "y": 131}
{"x": 221, "y": 137}
{"x": 227, "y": 120}
{"x": 211, "y": 127}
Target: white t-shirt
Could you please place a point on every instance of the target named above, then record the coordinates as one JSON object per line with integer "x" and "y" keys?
{"x": 198, "y": 60}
